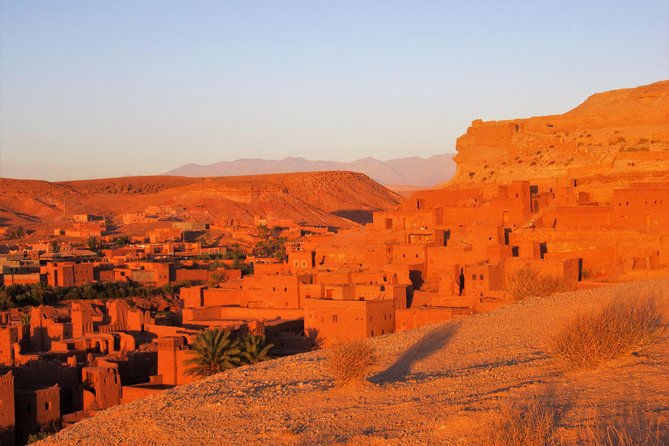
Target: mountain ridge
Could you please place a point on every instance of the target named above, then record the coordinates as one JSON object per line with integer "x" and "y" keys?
{"x": 411, "y": 171}
{"x": 320, "y": 198}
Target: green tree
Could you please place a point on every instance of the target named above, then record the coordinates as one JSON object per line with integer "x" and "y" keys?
{"x": 92, "y": 243}
{"x": 254, "y": 348}
{"x": 122, "y": 241}
{"x": 215, "y": 352}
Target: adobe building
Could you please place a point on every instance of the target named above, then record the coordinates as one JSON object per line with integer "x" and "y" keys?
{"x": 37, "y": 410}
{"x": 9, "y": 338}
{"x": 7, "y": 414}
{"x": 101, "y": 387}
{"x": 342, "y": 320}
{"x": 172, "y": 355}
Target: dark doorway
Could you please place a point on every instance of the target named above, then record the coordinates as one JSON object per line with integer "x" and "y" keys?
{"x": 461, "y": 282}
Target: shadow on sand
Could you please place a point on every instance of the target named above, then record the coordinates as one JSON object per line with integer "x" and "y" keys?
{"x": 433, "y": 341}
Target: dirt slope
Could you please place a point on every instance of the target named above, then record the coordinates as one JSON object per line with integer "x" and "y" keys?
{"x": 615, "y": 133}
{"x": 436, "y": 385}
{"x": 313, "y": 197}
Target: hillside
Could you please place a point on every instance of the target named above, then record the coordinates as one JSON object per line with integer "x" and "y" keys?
{"x": 617, "y": 134}
{"x": 314, "y": 197}
{"x": 436, "y": 385}
{"x": 414, "y": 171}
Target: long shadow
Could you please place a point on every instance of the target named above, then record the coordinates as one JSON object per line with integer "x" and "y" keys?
{"x": 361, "y": 216}
{"x": 474, "y": 368}
{"x": 433, "y": 341}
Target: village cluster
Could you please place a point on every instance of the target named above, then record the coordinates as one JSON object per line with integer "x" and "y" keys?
{"x": 442, "y": 254}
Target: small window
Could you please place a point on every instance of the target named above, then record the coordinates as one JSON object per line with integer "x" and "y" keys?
{"x": 47, "y": 406}
{"x": 473, "y": 276}
{"x": 480, "y": 276}
{"x": 334, "y": 318}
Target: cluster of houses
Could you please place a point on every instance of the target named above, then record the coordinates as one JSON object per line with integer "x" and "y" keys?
{"x": 442, "y": 254}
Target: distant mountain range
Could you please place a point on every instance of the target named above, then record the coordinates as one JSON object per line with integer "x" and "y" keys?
{"x": 415, "y": 171}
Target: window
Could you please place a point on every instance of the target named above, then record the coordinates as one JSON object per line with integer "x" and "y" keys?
{"x": 473, "y": 276}
{"x": 296, "y": 263}
{"x": 334, "y": 318}
{"x": 47, "y": 406}
{"x": 480, "y": 276}
{"x": 304, "y": 263}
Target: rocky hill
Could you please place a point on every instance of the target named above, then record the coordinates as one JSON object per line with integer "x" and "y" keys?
{"x": 441, "y": 384}
{"x": 321, "y": 198}
{"x": 616, "y": 134}
{"x": 414, "y": 171}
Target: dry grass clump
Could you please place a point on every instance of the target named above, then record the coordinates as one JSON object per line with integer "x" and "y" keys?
{"x": 351, "y": 361}
{"x": 528, "y": 282}
{"x": 638, "y": 432}
{"x": 614, "y": 330}
{"x": 529, "y": 423}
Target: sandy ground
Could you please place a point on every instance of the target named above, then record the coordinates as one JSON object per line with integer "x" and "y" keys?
{"x": 436, "y": 385}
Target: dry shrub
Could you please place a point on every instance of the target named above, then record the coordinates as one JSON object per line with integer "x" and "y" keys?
{"x": 351, "y": 361}
{"x": 528, "y": 423}
{"x": 604, "y": 334}
{"x": 528, "y": 282}
{"x": 628, "y": 432}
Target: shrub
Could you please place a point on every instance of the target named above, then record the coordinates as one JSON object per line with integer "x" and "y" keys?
{"x": 609, "y": 332}
{"x": 528, "y": 282}
{"x": 350, "y": 362}
{"x": 527, "y": 423}
{"x": 637, "y": 431}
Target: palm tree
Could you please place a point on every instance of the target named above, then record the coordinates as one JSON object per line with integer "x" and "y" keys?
{"x": 254, "y": 349}
{"x": 215, "y": 352}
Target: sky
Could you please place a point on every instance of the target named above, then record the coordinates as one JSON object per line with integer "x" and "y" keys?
{"x": 92, "y": 89}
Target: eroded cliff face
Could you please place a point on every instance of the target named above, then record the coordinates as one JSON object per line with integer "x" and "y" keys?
{"x": 616, "y": 134}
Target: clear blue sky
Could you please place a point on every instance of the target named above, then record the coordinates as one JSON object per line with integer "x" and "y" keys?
{"x": 109, "y": 88}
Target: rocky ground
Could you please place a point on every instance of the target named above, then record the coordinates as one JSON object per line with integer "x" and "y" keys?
{"x": 436, "y": 385}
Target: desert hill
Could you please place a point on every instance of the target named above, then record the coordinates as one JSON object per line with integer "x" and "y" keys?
{"x": 440, "y": 384}
{"x": 617, "y": 134}
{"x": 414, "y": 171}
{"x": 321, "y": 198}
